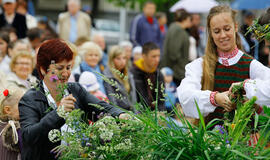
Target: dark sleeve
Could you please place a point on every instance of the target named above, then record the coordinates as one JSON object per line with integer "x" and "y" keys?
{"x": 134, "y": 31}
{"x": 174, "y": 42}
{"x": 24, "y": 27}
{"x": 160, "y": 43}
{"x": 110, "y": 90}
{"x": 34, "y": 128}
{"x": 2, "y": 21}
{"x": 122, "y": 102}
{"x": 20, "y": 25}
{"x": 161, "y": 99}
{"x": 90, "y": 101}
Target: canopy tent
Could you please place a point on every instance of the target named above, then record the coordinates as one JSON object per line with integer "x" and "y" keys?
{"x": 250, "y": 4}
{"x": 194, "y": 6}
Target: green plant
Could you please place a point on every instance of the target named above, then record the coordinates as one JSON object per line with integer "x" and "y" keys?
{"x": 260, "y": 31}
{"x": 153, "y": 135}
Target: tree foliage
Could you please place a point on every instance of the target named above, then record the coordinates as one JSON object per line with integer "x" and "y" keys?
{"x": 162, "y": 5}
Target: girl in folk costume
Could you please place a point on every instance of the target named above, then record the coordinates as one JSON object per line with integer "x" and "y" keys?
{"x": 9, "y": 124}
{"x": 208, "y": 79}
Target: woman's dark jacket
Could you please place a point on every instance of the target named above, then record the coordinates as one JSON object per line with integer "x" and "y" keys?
{"x": 36, "y": 121}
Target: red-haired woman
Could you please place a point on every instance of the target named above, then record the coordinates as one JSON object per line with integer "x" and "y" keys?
{"x": 54, "y": 63}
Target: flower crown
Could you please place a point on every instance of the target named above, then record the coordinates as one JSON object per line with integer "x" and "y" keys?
{"x": 261, "y": 32}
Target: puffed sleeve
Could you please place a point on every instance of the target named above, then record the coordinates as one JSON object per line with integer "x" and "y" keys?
{"x": 260, "y": 89}
{"x": 259, "y": 83}
{"x": 190, "y": 90}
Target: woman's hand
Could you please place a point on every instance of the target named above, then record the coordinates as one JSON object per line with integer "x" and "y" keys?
{"x": 68, "y": 102}
{"x": 124, "y": 116}
{"x": 223, "y": 100}
{"x": 233, "y": 84}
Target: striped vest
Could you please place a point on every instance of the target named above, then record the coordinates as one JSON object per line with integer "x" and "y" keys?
{"x": 225, "y": 76}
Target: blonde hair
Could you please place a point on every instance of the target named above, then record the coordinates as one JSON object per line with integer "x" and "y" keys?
{"x": 13, "y": 97}
{"x": 80, "y": 40}
{"x": 73, "y": 48}
{"x": 19, "y": 55}
{"x": 114, "y": 52}
{"x": 89, "y": 46}
{"x": 211, "y": 56}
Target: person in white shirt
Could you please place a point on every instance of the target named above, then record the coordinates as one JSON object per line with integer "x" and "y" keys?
{"x": 208, "y": 79}
{"x": 258, "y": 87}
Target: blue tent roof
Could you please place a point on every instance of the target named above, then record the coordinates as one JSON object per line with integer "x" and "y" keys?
{"x": 250, "y": 4}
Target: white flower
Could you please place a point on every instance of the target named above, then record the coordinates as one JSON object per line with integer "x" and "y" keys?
{"x": 61, "y": 112}
{"x": 54, "y": 135}
{"x": 108, "y": 120}
{"x": 105, "y": 148}
{"x": 120, "y": 146}
{"x": 100, "y": 124}
{"x": 124, "y": 146}
{"x": 107, "y": 135}
{"x": 101, "y": 157}
{"x": 101, "y": 130}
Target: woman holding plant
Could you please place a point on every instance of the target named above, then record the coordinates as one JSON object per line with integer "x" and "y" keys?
{"x": 208, "y": 79}
{"x": 40, "y": 107}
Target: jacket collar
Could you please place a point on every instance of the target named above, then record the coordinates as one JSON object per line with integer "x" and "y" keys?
{"x": 139, "y": 65}
{"x": 40, "y": 94}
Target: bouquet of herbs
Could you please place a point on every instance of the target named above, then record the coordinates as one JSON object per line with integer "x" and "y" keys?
{"x": 108, "y": 138}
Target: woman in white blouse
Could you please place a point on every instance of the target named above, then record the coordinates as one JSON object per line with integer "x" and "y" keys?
{"x": 257, "y": 87}
{"x": 208, "y": 79}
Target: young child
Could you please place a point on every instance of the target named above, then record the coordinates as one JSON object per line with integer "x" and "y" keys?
{"x": 170, "y": 88}
{"x": 136, "y": 53}
{"x": 89, "y": 81}
{"x": 9, "y": 123}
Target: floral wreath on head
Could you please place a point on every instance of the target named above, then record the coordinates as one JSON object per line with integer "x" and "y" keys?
{"x": 261, "y": 32}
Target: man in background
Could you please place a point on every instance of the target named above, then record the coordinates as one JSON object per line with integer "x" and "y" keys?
{"x": 145, "y": 27}
{"x": 147, "y": 75}
{"x": 73, "y": 23}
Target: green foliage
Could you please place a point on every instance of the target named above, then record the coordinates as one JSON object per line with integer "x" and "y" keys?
{"x": 260, "y": 31}
{"x": 109, "y": 138}
{"x": 147, "y": 136}
{"x": 162, "y": 5}
{"x": 264, "y": 119}
{"x": 153, "y": 135}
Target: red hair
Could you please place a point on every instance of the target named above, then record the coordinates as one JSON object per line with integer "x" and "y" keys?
{"x": 52, "y": 50}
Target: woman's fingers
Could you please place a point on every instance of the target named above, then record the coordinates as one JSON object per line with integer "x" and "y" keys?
{"x": 68, "y": 102}
{"x": 68, "y": 107}
{"x": 70, "y": 97}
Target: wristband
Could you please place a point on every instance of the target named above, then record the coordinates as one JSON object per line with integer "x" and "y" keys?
{"x": 212, "y": 98}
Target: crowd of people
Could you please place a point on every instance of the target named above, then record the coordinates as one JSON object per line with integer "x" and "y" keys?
{"x": 146, "y": 70}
